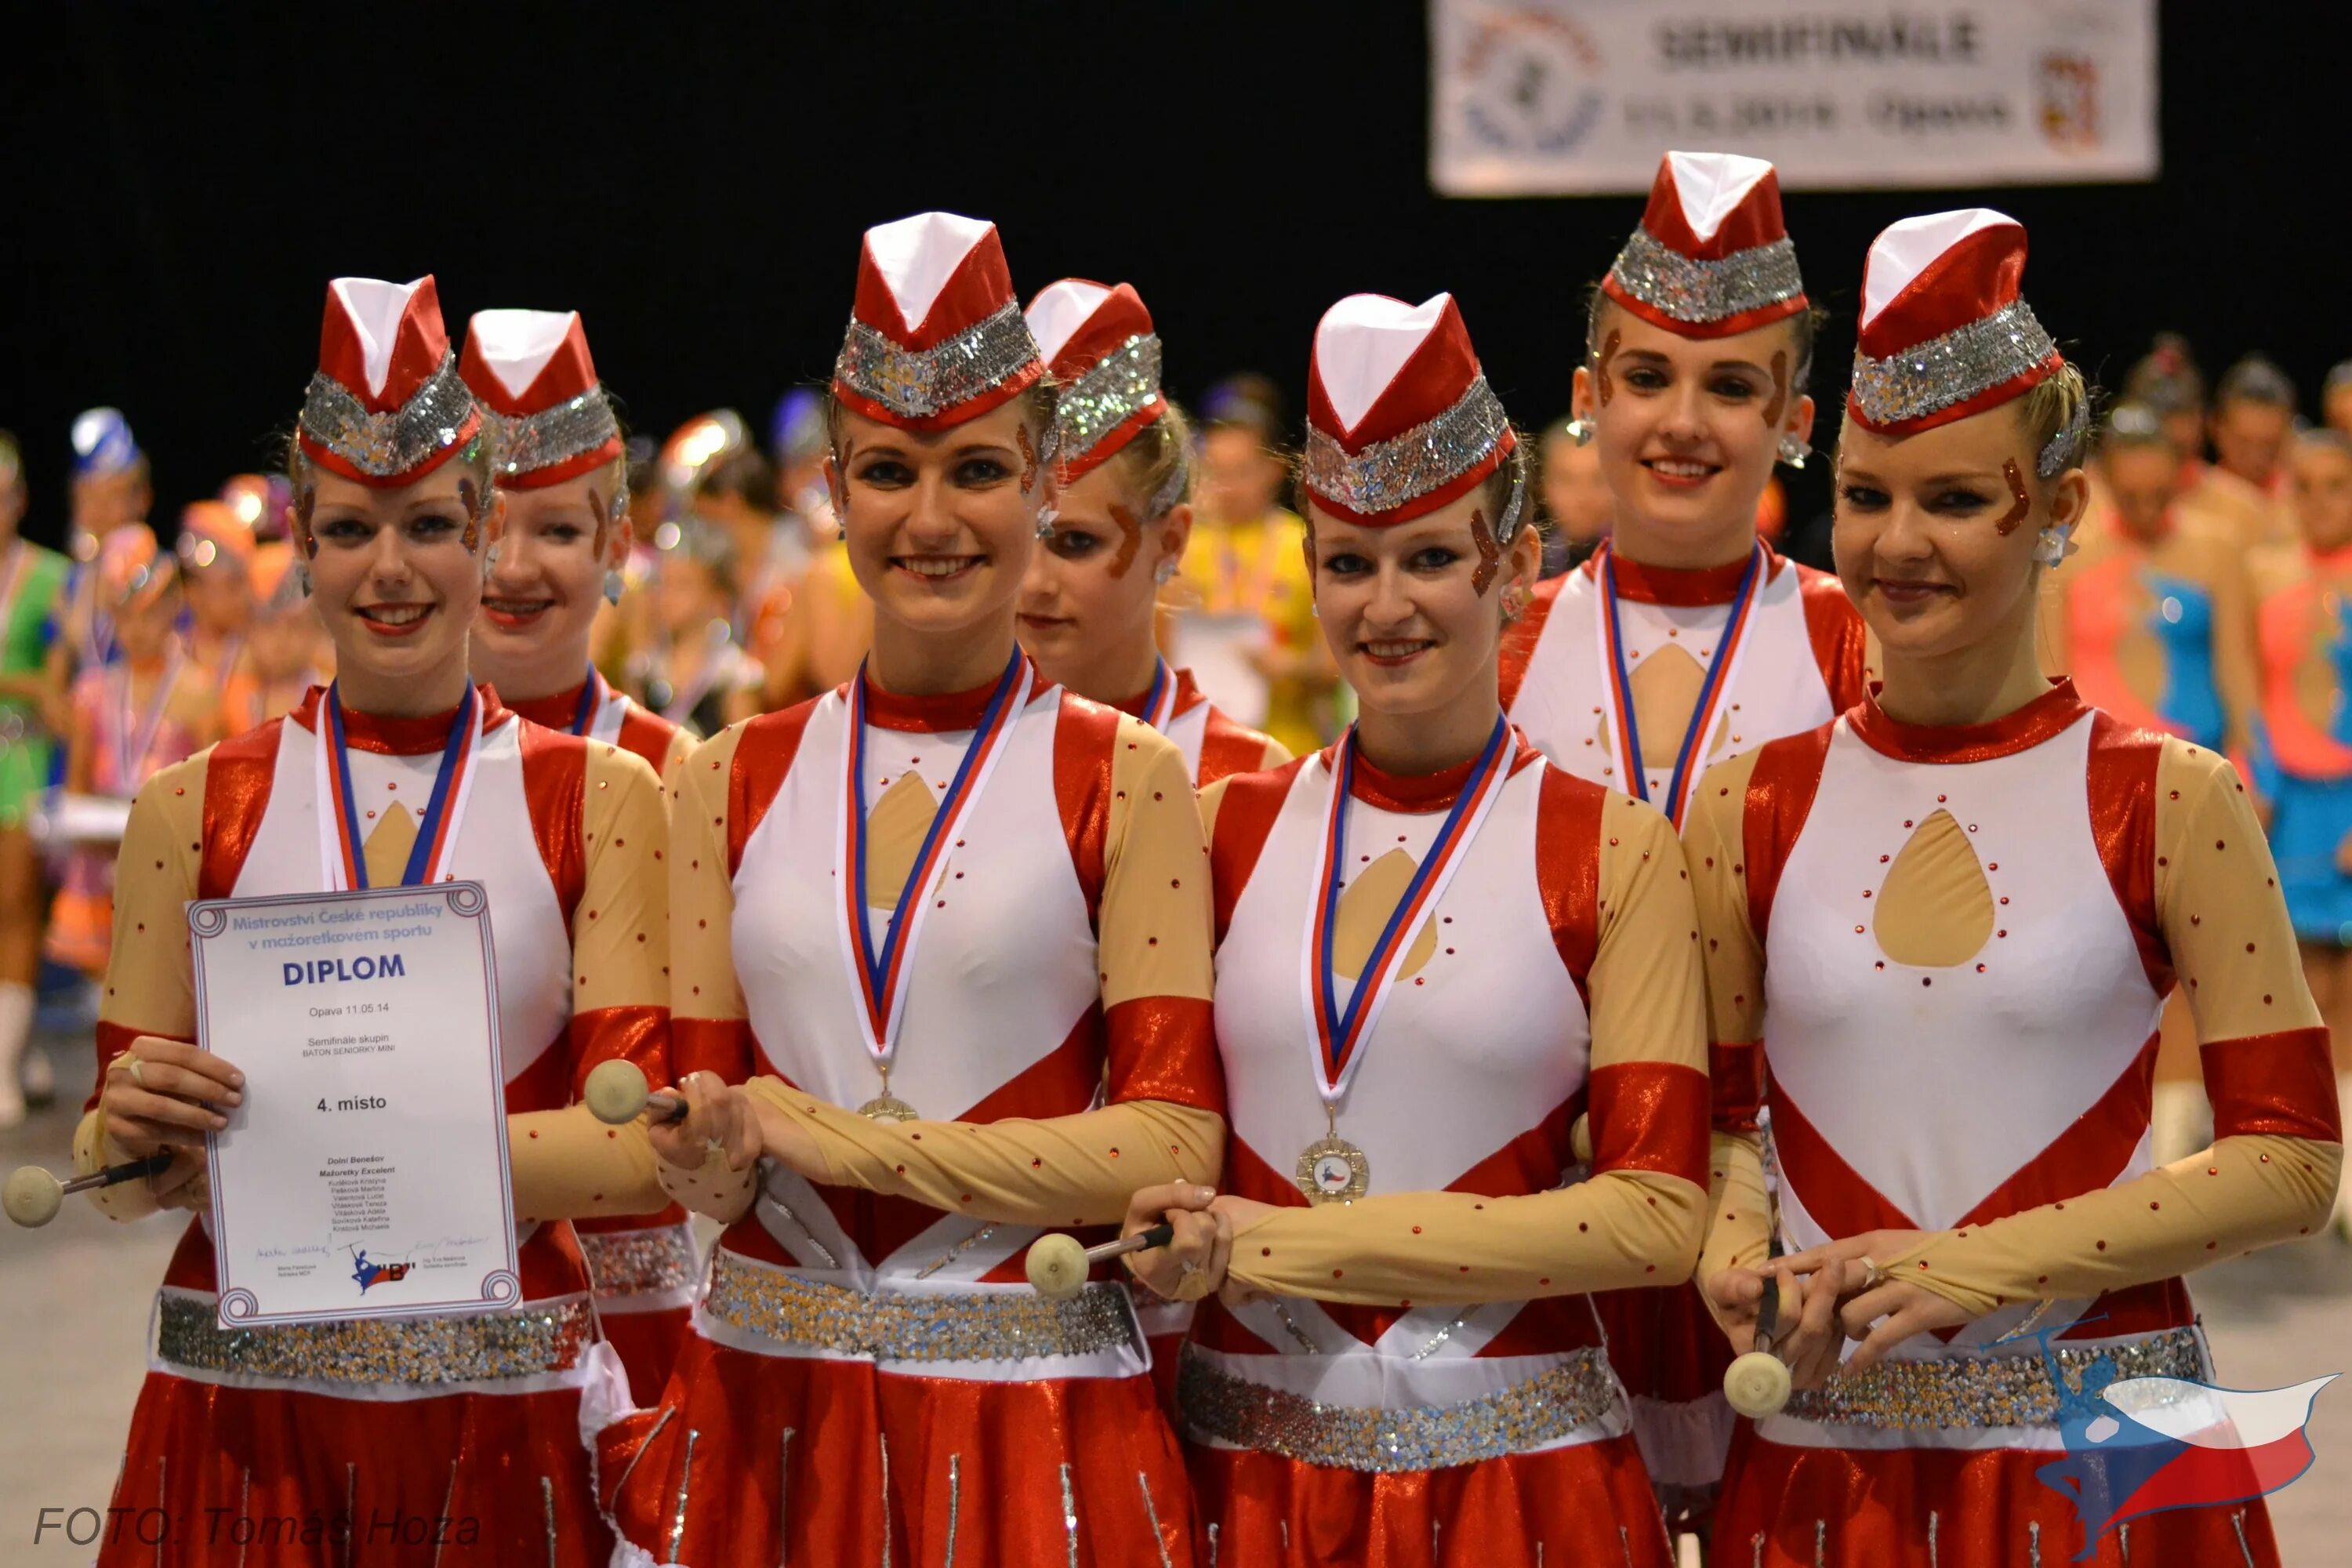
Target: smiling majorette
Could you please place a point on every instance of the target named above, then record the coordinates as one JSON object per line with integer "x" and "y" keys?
{"x": 555, "y": 450}
{"x": 976, "y": 910}
{"x": 1434, "y": 951}
{"x": 1089, "y": 608}
{"x": 472, "y": 1417}
{"x": 1685, "y": 639}
{"x": 1947, "y": 921}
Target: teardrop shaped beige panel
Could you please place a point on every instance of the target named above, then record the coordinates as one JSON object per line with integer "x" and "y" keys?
{"x": 1935, "y": 909}
{"x": 389, "y": 847}
{"x": 1666, "y": 694}
{"x": 1365, "y": 905}
{"x": 894, "y": 836}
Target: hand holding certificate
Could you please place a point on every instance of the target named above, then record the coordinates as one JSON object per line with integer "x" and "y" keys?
{"x": 363, "y": 1172}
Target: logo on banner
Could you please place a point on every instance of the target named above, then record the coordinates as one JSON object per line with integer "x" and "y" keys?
{"x": 1532, "y": 82}
{"x": 2070, "y": 102}
{"x": 369, "y": 1273}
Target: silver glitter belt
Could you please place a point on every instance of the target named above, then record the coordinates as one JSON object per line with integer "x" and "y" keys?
{"x": 916, "y": 384}
{"x": 1930, "y": 378}
{"x": 639, "y": 1262}
{"x": 1008, "y": 1325}
{"x": 1988, "y": 1391}
{"x": 1690, "y": 289}
{"x": 1124, "y": 383}
{"x": 1386, "y": 474}
{"x": 551, "y": 435}
{"x": 1545, "y": 1408}
{"x": 385, "y": 444}
{"x": 473, "y": 1348}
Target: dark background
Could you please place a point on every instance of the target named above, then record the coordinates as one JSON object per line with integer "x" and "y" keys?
{"x": 181, "y": 183}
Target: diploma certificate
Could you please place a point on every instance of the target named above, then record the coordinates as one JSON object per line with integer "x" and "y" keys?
{"x": 365, "y": 1175}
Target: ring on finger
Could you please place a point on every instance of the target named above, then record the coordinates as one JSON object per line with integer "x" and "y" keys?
{"x": 136, "y": 1070}
{"x": 1871, "y": 1273}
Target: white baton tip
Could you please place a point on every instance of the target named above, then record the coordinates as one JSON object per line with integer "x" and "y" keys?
{"x": 33, "y": 1196}
{"x": 1057, "y": 1266}
{"x": 1757, "y": 1384}
{"x": 615, "y": 1091}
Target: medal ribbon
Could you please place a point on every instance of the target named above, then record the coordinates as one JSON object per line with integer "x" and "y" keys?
{"x": 880, "y": 972}
{"x": 1160, "y": 702}
{"x": 1340, "y": 1032}
{"x": 132, "y": 745}
{"x": 342, "y": 847}
{"x": 1626, "y": 731}
{"x": 592, "y": 702}
{"x": 17, "y": 556}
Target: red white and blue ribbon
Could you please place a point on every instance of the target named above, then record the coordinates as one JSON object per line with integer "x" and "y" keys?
{"x": 1625, "y": 729}
{"x": 1160, "y": 702}
{"x": 879, "y": 971}
{"x": 343, "y": 839}
{"x": 1340, "y": 1029}
{"x": 134, "y": 738}
{"x": 591, "y": 703}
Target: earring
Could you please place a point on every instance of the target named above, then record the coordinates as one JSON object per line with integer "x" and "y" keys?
{"x": 613, "y": 585}
{"x": 1579, "y": 431}
{"x": 302, "y": 576}
{"x": 1166, "y": 571}
{"x": 1793, "y": 452}
{"x": 2052, "y": 545}
{"x": 1515, "y": 604}
{"x": 490, "y": 559}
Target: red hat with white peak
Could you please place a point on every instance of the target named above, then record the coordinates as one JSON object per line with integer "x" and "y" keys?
{"x": 1399, "y": 419}
{"x": 1712, "y": 257}
{"x": 1097, "y": 339}
{"x": 546, "y": 416}
{"x": 387, "y": 406}
{"x": 1944, "y": 331}
{"x": 935, "y": 335}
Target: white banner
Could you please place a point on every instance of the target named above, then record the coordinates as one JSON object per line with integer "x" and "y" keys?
{"x": 1575, "y": 97}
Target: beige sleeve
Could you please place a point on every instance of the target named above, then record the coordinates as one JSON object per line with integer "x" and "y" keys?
{"x": 150, "y": 973}
{"x": 1277, "y": 754}
{"x": 1637, "y": 1220}
{"x": 1164, "y": 1121}
{"x": 566, "y": 1165}
{"x": 620, "y": 933}
{"x": 708, "y": 1026}
{"x": 2272, "y": 1174}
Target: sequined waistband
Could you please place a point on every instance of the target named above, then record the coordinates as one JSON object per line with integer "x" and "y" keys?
{"x": 639, "y": 1262}
{"x": 537, "y": 1337}
{"x": 1545, "y": 1408}
{"x": 1962, "y": 1392}
{"x": 1007, "y": 1325}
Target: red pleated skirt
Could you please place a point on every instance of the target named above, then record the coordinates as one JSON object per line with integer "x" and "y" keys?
{"x": 221, "y": 1477}
{"x": 1588, "y": 1504}
{"x": 753, "y": 1459}
{"x": 1785, "y": 1506}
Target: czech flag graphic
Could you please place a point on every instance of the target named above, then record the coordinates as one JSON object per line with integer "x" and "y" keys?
{"x": 2144, "y": 1445}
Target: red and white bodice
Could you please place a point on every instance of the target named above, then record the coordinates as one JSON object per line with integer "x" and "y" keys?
{"x": 1473, "y": 1072}
{"x": 1797, "y": 663}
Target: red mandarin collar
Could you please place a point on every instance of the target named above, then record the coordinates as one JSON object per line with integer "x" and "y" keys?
{"x": 403, "y": 737}
{"x": 555, "y": 712}
{"x": 2046, "y": 716}
{"x": 1188, "y": 694}
{"x": 945, "y": 711}
{"x": 1678, "y": 585}
{"x": 1417, "y": 792}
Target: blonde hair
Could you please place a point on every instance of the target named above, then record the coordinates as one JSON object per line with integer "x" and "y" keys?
{"x": 1158, "y": 459}
{"x": 2052, "y": 406}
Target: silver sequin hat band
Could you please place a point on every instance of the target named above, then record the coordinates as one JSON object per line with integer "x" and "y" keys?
{"x": 1702, "y": 293}
{"x": 394, "y": 444}
{"x": 551, "y": 438}
{"x": 1390, "y": 474}
{"x": 925, "y": 383}
{"x": 1944, "y": 371}
{"x": 1122, "y": 384}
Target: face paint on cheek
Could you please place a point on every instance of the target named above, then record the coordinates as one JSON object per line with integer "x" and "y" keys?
{"x": 2019, "y": 502}
{"x": 473, "y": 534}
{"x": 1607, "y": 388}
{"x": 1490, "y": 553}
{"x": 1779, "y": 403}
{"x": 1130, "y": 540}
{"x": 1028, "y": 459}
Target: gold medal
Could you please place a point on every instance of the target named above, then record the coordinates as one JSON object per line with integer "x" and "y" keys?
{"x": 1331, "y": 1170}
{"x": 887, "y": 1107}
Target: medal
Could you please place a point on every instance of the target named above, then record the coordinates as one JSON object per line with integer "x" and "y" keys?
{"x": 1626, "y": 731}
{"x": 879, "y": 974}
{"x": 342, "y": 850}
{"x": 1332, "y": 1169}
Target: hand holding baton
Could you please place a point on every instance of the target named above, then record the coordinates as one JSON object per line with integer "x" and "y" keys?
{"x": 615, "y": 1093}
{"x": 33, "y": 1195}
{"x": 1058, "y": 1265}
{"x": 1757, "y": 1384}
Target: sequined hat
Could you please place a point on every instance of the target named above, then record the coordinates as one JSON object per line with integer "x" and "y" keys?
{"x": 936, "y": 336}
{"x": 1097, "y": 339}
{"x": 1399, "y": 419}
{"x": 1945, "y": 333}
{"x": 102, "y": 444}
{"x": 546, "y": 415}
{"x": 387, "y": 406}
{"x": 1712, "y": 257}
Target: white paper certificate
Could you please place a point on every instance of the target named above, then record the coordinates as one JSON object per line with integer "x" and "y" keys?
{"x": 365, "y": 1175}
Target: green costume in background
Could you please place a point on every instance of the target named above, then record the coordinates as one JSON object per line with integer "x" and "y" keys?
{"x": 31, "y": 582}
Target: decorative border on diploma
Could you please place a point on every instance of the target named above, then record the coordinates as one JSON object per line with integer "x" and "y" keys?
{"x": 501, "y": 1288}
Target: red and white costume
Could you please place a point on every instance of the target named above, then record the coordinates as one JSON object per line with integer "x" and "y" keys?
{"x": 548, "y": 420}
{"x": 466, "y": 1418}
{"x": 1711, "y": 260}
{"x": 869, "y": 1380}
{"x": 1424, "y": 1380}
{"x": 1942, "y": 954}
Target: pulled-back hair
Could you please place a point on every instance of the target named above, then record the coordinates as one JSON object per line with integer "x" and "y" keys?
{"x": 1158, "y": 459}
{"x": 1038, "y": 401}
{"x": 1805, "y": 327}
